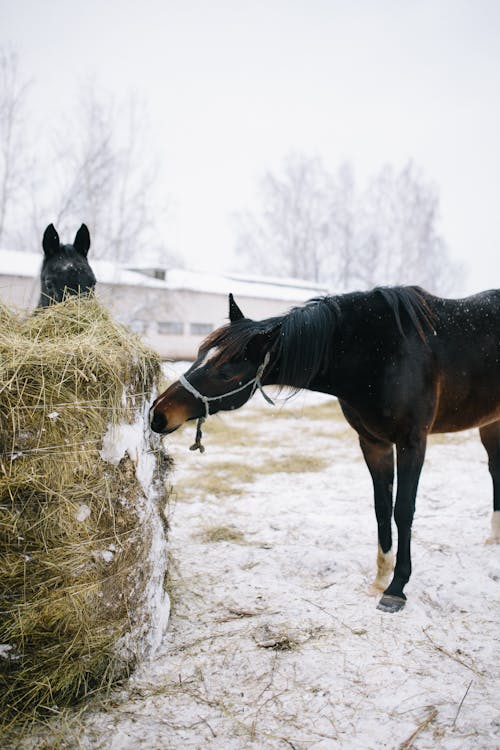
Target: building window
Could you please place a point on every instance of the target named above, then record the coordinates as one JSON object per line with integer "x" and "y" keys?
{"x": 171, "y": 327}
{"x": 200, "y": 329}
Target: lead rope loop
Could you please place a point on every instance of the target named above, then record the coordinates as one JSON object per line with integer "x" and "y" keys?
{"x": 197, "y": 446}
{"x": 256, "y": 382}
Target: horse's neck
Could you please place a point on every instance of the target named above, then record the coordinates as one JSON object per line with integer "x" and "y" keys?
{"x": 317, "y": 362}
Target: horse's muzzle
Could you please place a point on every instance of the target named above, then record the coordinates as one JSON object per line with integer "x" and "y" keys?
{"x": 158, "y": 422}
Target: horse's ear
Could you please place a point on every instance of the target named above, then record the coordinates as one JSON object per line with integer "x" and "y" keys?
{"x": 82, "y": 240}
{"x": 50, "y": 242}
{"x": 234, "y": 311}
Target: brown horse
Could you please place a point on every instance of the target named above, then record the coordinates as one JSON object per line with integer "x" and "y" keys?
{"x": 402, "y": 363}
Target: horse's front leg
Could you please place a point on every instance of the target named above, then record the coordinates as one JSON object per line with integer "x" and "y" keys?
{"x": 379, "y": 457}
{"x": 410, "y": 458}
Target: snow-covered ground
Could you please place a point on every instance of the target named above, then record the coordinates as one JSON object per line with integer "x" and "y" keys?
{"x": 274, "y": 640}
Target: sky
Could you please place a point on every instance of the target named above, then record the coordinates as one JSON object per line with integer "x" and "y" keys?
{"x": 232, "y": 88}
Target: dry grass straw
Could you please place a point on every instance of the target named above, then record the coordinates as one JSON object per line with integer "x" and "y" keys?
{"x": 70, "y": 536}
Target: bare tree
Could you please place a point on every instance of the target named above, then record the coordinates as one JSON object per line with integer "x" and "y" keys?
{"x": 100, "y": 170}
{"x": 341, "y": 231}
{"x": 290, "y": 235}
{"x": 13, "y": 160}
{"x": 107, "y": 176}
{"x": 316, "y": 225}
{"x": 401, "y": 243}
{"x": 307, "y": 225}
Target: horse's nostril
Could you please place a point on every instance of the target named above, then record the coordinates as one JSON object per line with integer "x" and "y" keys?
{"x": 158, "y": 422}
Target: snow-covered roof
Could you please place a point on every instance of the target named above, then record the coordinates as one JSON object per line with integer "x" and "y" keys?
{"x": 25, "y": 264}
{"x": 284, "y": 281}
{"x": 243, "y": 286}
{"x": 18, "y": 263}
{"x": 107, "y": 272}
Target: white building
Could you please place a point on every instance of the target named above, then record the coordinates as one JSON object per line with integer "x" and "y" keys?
{"x": 173, "y": 310}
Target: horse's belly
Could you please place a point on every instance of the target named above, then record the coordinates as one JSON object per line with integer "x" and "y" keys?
{"x": 464, "y": 415}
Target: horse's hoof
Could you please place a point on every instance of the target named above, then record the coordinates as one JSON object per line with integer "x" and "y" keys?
{"x": 390, "y": 603}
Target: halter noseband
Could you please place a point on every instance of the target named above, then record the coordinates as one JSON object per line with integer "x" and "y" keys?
{"x": 255, "y": 382}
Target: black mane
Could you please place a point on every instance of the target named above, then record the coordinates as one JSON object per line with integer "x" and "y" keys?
{"x": 302, "y": 339}
{"x": 233, "y": 339}
{"x": 304, "y": 347}
{"x": 414, "y": 301}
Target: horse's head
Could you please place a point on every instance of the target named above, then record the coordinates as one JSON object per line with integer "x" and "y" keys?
{"x": 65, "y": 269}
{"x": 230, "y": 364}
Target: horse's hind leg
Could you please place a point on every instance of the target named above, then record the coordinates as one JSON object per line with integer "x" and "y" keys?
{"x": 379, "y": 457}
{"x": 490, "y": 438}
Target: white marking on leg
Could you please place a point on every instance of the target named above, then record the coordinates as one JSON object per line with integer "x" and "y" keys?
{"x": 385, "y": 567}
{"x": 495, "y": 528}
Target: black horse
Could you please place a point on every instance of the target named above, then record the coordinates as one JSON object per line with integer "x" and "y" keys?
{"x": 402, "y": 363}
{"x": 65, "y": 268}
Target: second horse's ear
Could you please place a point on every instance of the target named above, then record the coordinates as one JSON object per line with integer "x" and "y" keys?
{"x": 50, "y": 242}
{"x": 82, "y": 240}
{"x": 234, "y": 311}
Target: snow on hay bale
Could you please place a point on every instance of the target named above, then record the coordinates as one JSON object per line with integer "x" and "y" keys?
{"x": 82, "y": 537}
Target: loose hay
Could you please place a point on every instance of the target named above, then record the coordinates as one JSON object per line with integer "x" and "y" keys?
{"x": 82, "y": 553}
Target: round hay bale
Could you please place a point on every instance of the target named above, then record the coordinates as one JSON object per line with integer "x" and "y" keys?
{"x": 82, "y": 496}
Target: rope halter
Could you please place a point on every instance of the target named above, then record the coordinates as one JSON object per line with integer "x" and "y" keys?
{"x": 255, "y": 382}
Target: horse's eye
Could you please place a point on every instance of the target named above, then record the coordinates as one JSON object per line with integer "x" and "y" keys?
{"x": 225, "y": 374}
